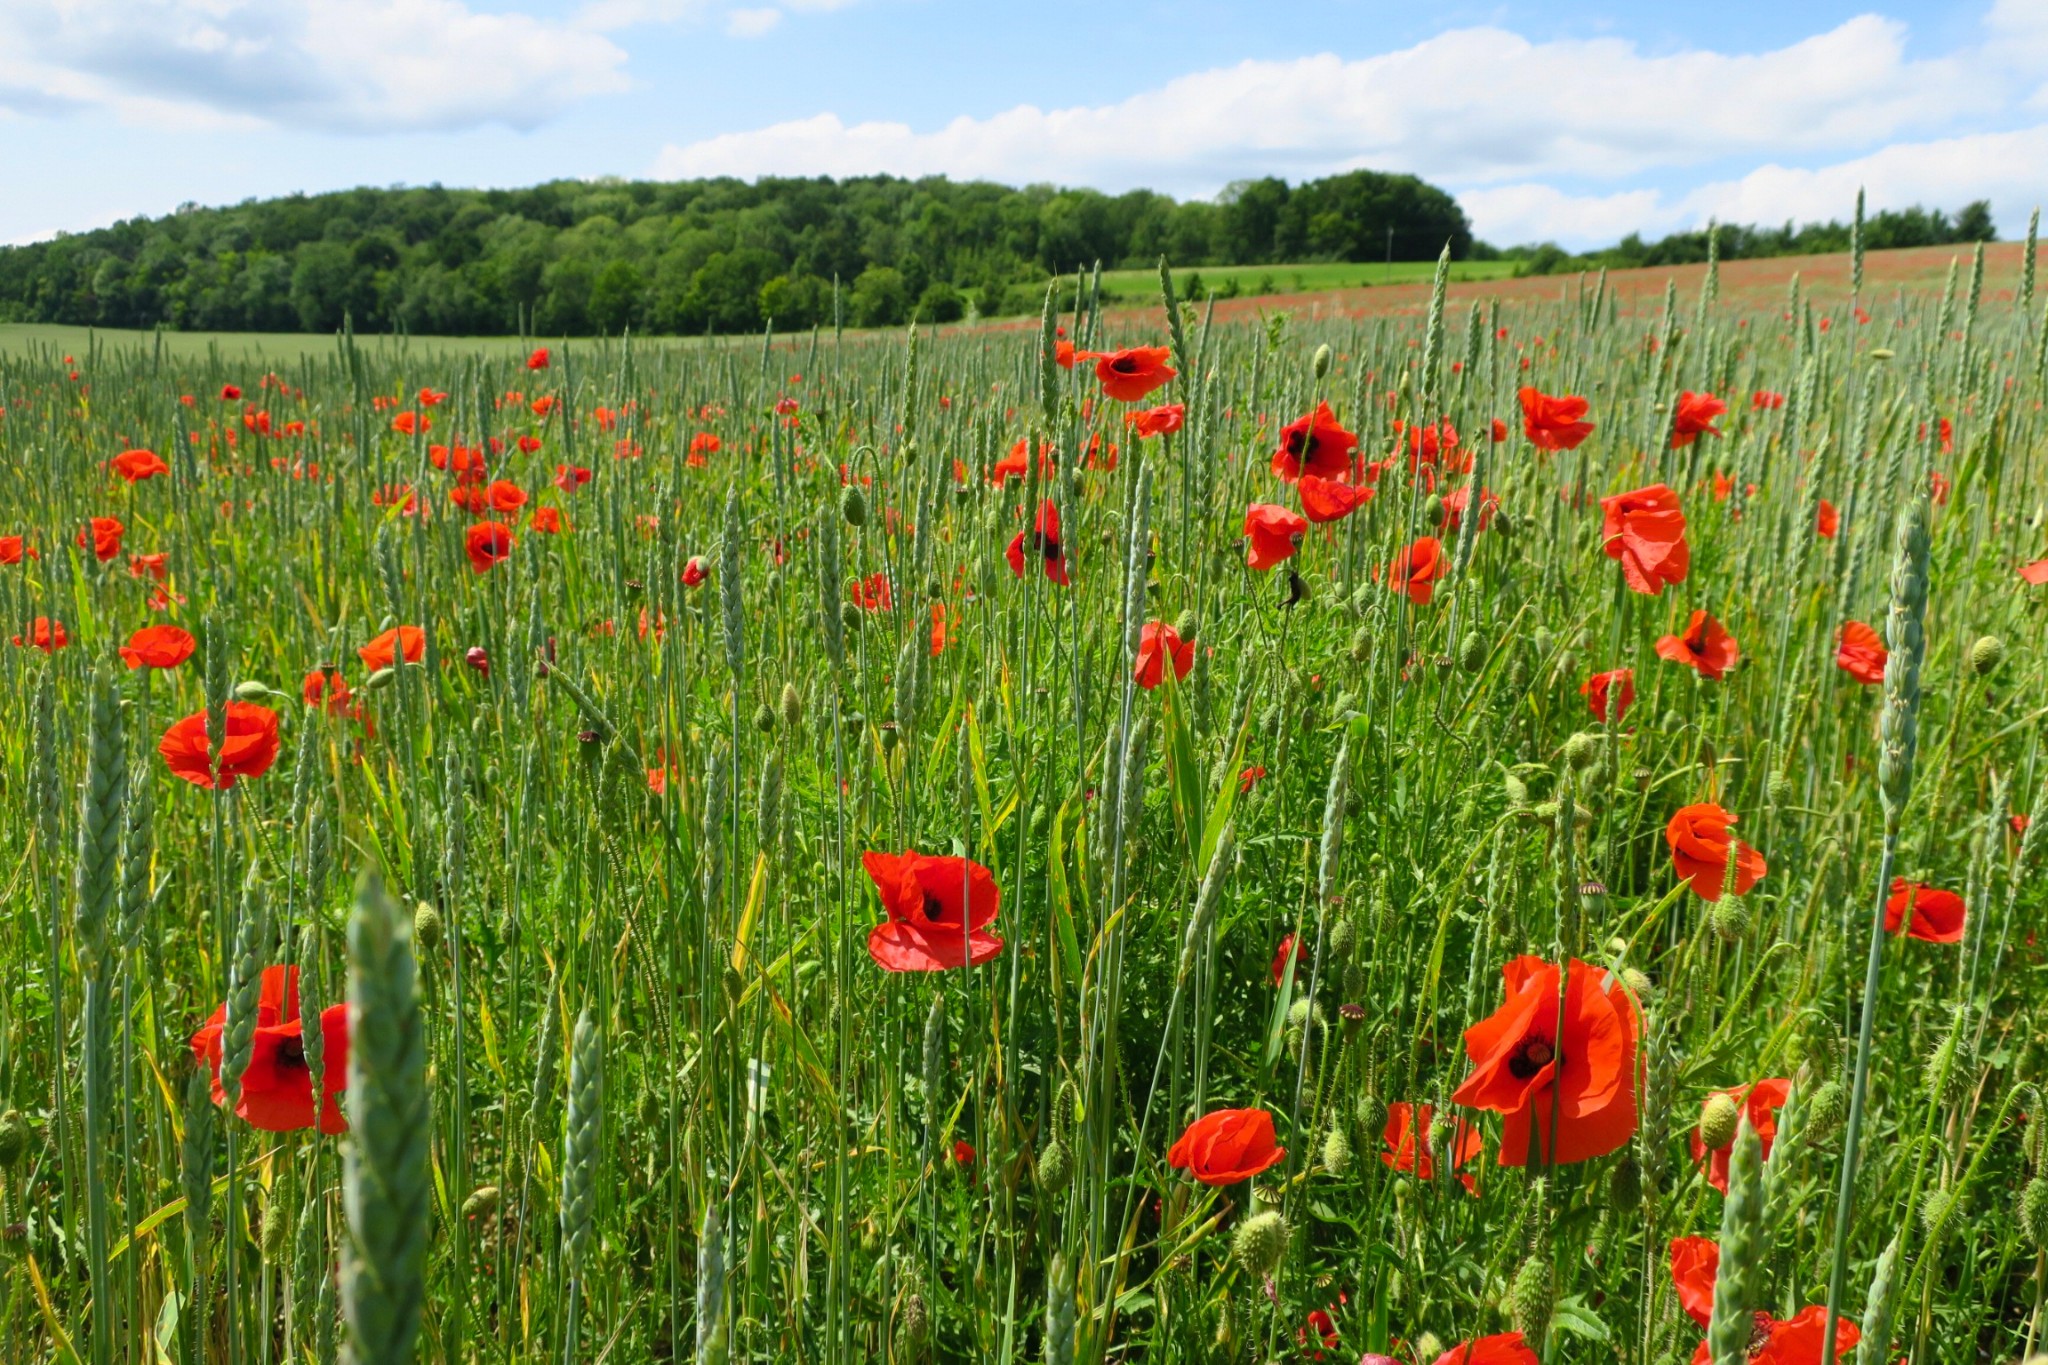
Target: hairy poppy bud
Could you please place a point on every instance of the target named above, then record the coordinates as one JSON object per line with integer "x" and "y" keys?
{"x": 2034, "y": 1211}
{"x": 1582, "y": 750}
{"x": 849, "y": 616}
{"x": 1882, "y": 353}
{"x": 1322, "y": 360}
{"x": 481, "y": 1204}
{"x": 1825, "y": 1111}
{"x": 1370, "y": 1112}
{"x": 1428, "y": 1346}
{"x": 380, "y": 679}
{"x": 1502, "y": 526}
{"x": 1638, "y": 982}
{"x": 1718, "y": 1119}
{"x": 1472, "y": 652}
{"x": 1184, "y": 626}
{"x": 1260, "y": 1241}
{"x": 1343, "y": 939}
{"x": 1779, "y": 788}
{"x": 917, "y": 1322}
{"x": 1987, "y": 654}
{"x": 853, "y": 505}
{"x": 764, "y": 718}
{"x": 1531, "y": 1297}
{"x": 13, "y": 1139}
{"x": 1625, "y": 1185}
{"x": 1433, "y": 509}
{"x": 251, "y": 690}
{"x": 1729, "y": 917}
{"x": 1055, "y": 1166}
{"x": 1361, "y": 644}
{"x": 1336, "y": 1150}
{"x": 479, "y": 659}
{"x": 273, "y": 1230}
{"x": 1517, "y": 792}
{"x": 426, "y": 927}
{"x": 792, "y": 707}
{"x": 1935, "y": 1206}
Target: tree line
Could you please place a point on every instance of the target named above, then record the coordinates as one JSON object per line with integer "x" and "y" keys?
{"x": 580, "y": 257}
{"x": 1882, "y": 231}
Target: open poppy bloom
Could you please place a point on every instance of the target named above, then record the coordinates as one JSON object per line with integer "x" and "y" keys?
{"x": 1044, "y": 544}
{"x": 1553, "y": 422}
{"x": 1160, "y": 421}
{"x": 1409, "y": 1146}
{"x": 1329, "y": 499}
{"x": 44, "y": 633}
{"x": 1523, "y": 1068}
{"x": 102, "y": 535}
{"x": 2036, "y": 572}
{"x": 1860, "y": 653}
{"x": 1017, "y": 464}
{"x": 1275, "y": 534}
{"x": 872, "y": 593}
{"x": 1645, "y": 530}
{"x": 1460, "y": 498}
{"x": 277, "y": 1089}
{"x": 694, "y": 572}
{"x": 1694, "y": 417}
{"x": 1316, "y": 445}
{"x": 1826, "y": 520}
{"x": 1801, "y": 1340}
{"x": 1226, "y": 1146}
{"x": 1761, "y": 1102}
{"x": 1706, "y": 646}
{"x": 326, "y": 687}
{"x": 248, "y": 750}
{"x": 538, "y": 360}
{"x": 1610, "y": 694}
{"x": 1158, "y": 643}
{"x": 14, "y": 549}
{"x": 1699, "y": 840}
{"x": 137, "y": 465}
{"x": 1505, "y": 1348}
{"x": 570, "y": 477}
{"x": 939, "y": 909}
{"x": 158, "y": 647}
{"x": 1695, "y": 1262}
{"x": 487, "y": 543}
{"x": 1129, "y": 375}
{"x": 545, "y": 521}
{"x": 1937, "y": 916}
{"x": 505, "y": 496}
{"x": 1417, "y": 570}
{"x": 409, "y": 642}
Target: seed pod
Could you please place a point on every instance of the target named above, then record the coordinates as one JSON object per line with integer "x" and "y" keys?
{"x": 1987, "y": 654}
{"x": 1718, "y": 1119}
{"x": 1259, "y": 1243}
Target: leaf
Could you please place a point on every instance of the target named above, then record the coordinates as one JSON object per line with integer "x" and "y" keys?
{"x": 1572, "y": 1315}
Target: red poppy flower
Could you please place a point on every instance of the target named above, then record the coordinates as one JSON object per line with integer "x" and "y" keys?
{"x": 693, "y": 571}
{"x": 1160, "y": 421}
{"x": 277, "y": 1088}
{"x": 229, "y": 393}
{"x": 1316, "y": 445}
{"x": 1553, "y": 422}
{"x": 1129, "y": 375}
{"x": 1522, "y": 1068}
{"x": 570, "y": 477}
{"x": 1610, "y": 694}
{"x": 326, "y": 687}
{"x": 14, "y": 549}
{"x": 2035, "y": 573}
{"x": 410, "y": 423}
{"x": 872, "y": 593}
{"x": 1045, "y": 545}
{"x": 44, "y": 633}
{"x": 938, "y": 908}
{"x": 248, "y": 750}
{"x": 1017, "y": 464}
{"x": 1157, "y": 643}
{"x": 385, "y": 650}
{"x": 102, "y": 535}
{"x": 1275, "y": 534}
{"x": 1763, "y": 400}
{"x": 1827, "y": 521}
{"x": 1249, "y": 778}
{"x": 1410, "y": 1148}
{"x": 546, "y": 521}
{"x": 1281, "y": 954}
{"x": 1937, "y": 915}
{"x": 1458, "y": 499}
{"x": 158, "y": 647}
{"x": 1226, "y": 1146}
{"x": 1761, "y": 1102}
{"x": 1860, "y": 653}
{"x": 1417, "y": 570}
{"x": 1699, "y": 840}
{"x": 1506, "y": 1348}
{"x": 149, "y": 566}
{"x": 1706, "y": 646}
{"x": 137, "y": 465}
{"x": 538, "y": 360}
{"x": 1695, "y": 1261}
{"x": 1498, "y": 431}
{"x": 1064, "y": 354}
{"x": 963, "y": 1153}
{"x": 505, "y": 496}
{"x": 1795, "y": 1341}
{"x": 487, "y": 543}
{"x": 1329, "y": 500}
{"x": 1645, "y": 530}
{"x": 1694, "y": 417}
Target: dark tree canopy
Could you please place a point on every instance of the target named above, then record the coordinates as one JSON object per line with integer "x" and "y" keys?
{"x": 683, "y": 257}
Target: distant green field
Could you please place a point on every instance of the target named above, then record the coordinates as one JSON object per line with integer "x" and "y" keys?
{"x": 1250, "y": 281}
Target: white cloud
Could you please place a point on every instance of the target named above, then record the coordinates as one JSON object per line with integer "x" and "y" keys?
{"x": 1470, "y": 107}
{"x": 752, "y": 23}
{"x": 340, "y": 65}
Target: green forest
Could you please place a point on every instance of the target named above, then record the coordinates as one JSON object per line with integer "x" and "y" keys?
{"x": 583, "y": 257}
{"x": 1882, "y": 231}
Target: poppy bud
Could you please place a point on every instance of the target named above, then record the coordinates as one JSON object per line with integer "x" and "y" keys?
{"x": 13, "y": 1139}
{"x": 1361, "y": 644}
{"x": 2034, "y": 1211}
{"x": 1987, "y": 654}
{"x": 1260, "y": 1241}
{"x": 481, "y": 1204}
{"x": 1824, "y": 1112}
{"x": 1370, "y": 1112}
{"x": 853, "y": 505}
{"x": 380, "y": 679}
{"x": 1625, "y": 1185}
{"x": 1322, "y": 360}
{"x": 1531, "y": 1297}
{"x": 426, "y": 927}
{"x": 1935, "y": 1206}
{"x": 1433, "y": 509}
{"x": 792, "y": 707}
{"x": 1336, "y": 1150}
{"x": 251, "y": 690}
{"x": 764, "y": 718}
{"x": 1638, "y": 982}
{"x": 1472, "y": 651}
{"x": 916, "y": 1322}
{"x": 1582, "y": 750}
{"x": 1343, "y": 939}
{"x": 1428, "y": 1346}
{"x": 273, "y": 1230}
{"x": 1502, "y": 525}
{"x": 1055, "y": 1166}
{"x": 888, "y": 739}
{"x": 1184, "y": 626}
{"x": 478, "y": 659}
{"x": 849, "y": 616}
{"x": 648, "y": 1111}
{"x": 1882, "y": 353}
{"x": 1729, "y": 917}
{"x": 1719, "y": 1117}
{"x": 1779, "y": 788}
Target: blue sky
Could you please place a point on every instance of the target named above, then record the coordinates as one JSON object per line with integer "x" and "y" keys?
{"x": 1570, "y": 121}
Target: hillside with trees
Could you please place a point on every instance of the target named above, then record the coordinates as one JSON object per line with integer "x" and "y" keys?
{"x": 580, "y": 257}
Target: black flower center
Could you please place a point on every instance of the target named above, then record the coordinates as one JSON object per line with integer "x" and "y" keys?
{"x": 1124, "y": 365}
{"x": 1531, "y": 1057}
{"x": 1048, "y": 546}
{"x": 935, "y": 910}
{"x": 292, "y": 1053}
